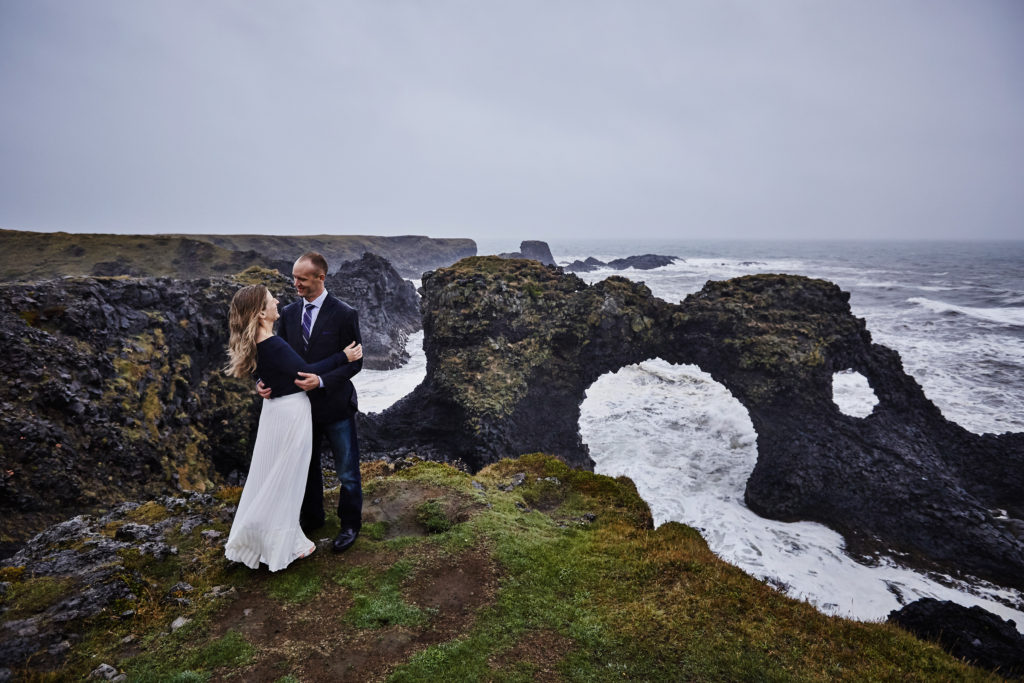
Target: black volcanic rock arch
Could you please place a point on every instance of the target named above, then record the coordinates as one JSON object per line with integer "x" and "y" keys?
{"x": 512, "y": 346}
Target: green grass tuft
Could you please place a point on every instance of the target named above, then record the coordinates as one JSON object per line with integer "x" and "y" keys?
{"x": 384, "y": 608}
{"x": 432, "y": 516}
{"x": 297, "y": 584}
{"x": 375, "y": 531}
{"x": 180, "y": 664}
{"x": 229, "y": 650}
{"x": 383, "y": 604}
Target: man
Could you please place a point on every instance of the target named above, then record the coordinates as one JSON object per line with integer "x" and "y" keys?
{"x": 316, "y": 326}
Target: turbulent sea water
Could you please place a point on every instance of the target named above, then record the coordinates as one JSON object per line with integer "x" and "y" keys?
{"x": 954, "y": 312}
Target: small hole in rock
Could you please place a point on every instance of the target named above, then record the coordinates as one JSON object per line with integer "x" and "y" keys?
{"x": 852, "y": 394}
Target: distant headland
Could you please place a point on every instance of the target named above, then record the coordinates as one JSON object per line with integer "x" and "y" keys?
{"x": 29, "y": 255}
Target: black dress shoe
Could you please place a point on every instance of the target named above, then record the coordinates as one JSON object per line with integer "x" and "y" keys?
{"x": 344, "y": 540}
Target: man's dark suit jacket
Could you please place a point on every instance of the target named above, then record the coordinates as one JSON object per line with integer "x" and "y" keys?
{"x": 336, "y": 326}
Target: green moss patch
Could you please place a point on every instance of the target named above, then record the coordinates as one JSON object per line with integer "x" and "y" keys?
{"x": 433, "y": 517}
{"x": 31, "y": 596}
{"x": 300, "y": 583}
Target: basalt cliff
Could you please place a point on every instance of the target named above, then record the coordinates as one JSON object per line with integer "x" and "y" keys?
{"x": 112, "y": 387}
{"x": 513, "y": 345}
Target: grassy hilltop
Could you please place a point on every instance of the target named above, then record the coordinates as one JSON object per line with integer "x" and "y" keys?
{"x": 526, "y": 571}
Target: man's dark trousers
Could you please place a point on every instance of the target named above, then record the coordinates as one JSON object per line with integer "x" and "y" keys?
{"x": 334, "y": 407}
{"x": 345, "y": 447}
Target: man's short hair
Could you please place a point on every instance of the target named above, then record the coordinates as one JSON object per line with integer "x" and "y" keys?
{"x": 317, "y": 259}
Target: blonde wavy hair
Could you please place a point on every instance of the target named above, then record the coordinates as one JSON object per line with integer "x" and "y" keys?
{"x": 244, "y": 323}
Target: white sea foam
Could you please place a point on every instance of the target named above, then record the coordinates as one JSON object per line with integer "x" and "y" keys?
{"x": 690, "y": 447}
{"x": 967, "y": 375}
{"x": 1002, "y": 316}
{"x": 852, "y": 393}
{"x": 378, "y": 389}
{"x": 935, "y": 288}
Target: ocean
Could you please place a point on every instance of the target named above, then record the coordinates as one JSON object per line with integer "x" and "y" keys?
{"x": 953, "y": 310}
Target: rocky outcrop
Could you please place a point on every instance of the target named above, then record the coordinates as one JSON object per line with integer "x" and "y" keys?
{"x": 589, "y": 265}
{"x": 512, "y": 346}
{"x": 112, "y": 386}
{"x": 389, "y": 308}
{"x": 970, "y": 633}
{"x": 533, "y": 249}
{"x": 44, "y": 255}
{"x": 642, "y": 262}
{"x": 113, "y": 391}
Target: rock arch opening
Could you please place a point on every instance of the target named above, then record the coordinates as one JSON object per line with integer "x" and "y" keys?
{"x": 852, "y": 394}
{"x": 682, "y": 437}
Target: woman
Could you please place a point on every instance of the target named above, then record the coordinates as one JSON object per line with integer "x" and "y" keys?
{"x": 266, "y": 525}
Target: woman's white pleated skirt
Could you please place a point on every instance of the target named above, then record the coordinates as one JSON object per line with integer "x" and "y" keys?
{"x": 266, "y": 525}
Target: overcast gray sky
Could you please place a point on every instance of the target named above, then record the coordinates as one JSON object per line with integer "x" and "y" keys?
{"x": 554, "y": 119}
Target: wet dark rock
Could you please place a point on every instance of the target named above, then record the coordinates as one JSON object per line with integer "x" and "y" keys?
{"x": 586, "y": 266}
{"x": 641, "y": 262}
{"x": 512, "y": 347}
{"x": 533, "y": 249}
{"x": 537, "y": 250}
{"x": 389, "y": 308}
{"x": 971, "y": 633}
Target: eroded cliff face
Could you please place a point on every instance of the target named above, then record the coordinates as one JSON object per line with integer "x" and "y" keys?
{"x": 113, "y": 391}
{"x": 512, "y": 346}
{"x": 112, "y": 386}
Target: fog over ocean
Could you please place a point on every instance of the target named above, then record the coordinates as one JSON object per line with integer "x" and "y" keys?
{"x": 953, "y": 310}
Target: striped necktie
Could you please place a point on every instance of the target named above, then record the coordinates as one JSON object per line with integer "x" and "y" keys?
{"x": 307, "y": 324}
